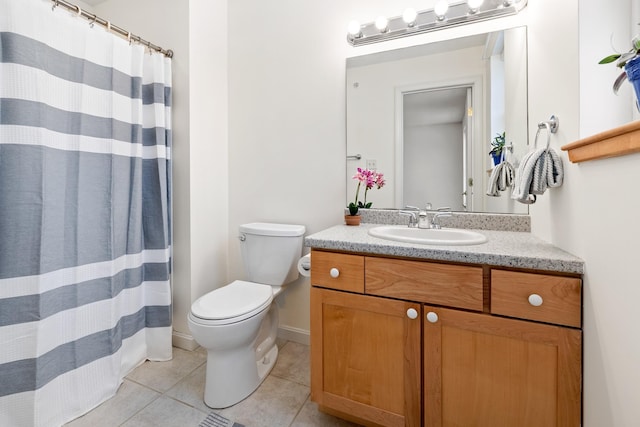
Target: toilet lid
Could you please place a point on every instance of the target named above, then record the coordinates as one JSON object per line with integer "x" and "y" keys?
{"x": 233, "y": 300}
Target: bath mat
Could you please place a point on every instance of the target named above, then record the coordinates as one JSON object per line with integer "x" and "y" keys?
{"x": 217, "y": 420}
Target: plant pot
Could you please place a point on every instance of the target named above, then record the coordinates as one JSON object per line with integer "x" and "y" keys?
{"x": 496, "y": 159}
{"x": 632, "y": 68}
{"x": 352, "y": 219}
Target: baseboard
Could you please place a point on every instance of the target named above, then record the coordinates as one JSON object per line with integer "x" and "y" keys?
{"x": 183, "y": 341}
{"x": 298, "y": 335}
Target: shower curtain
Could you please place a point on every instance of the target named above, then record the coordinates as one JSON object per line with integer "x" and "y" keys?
{"x": 85, "y": 226}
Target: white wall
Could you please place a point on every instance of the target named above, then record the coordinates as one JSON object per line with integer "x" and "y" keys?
{"x": 209, "y": 150}
{"x": 286, "y": 124}
{"x": 594, "y": 214}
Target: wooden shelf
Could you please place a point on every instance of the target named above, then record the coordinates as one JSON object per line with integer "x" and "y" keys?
{"x": 619, "y": 141}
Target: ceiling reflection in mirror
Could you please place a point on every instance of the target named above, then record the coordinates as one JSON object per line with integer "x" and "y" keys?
{"x": 425, "y": 116}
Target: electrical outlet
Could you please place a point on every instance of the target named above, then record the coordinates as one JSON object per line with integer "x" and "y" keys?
{"x": 371, "y": 164}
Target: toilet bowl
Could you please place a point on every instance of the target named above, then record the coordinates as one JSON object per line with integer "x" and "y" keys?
{"x": 226, "y": 322}
{"x": 237, "y": 324}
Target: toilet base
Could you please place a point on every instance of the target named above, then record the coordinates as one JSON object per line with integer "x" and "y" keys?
{"x": 226, "y": 386}
{"x": 267, "y": 363}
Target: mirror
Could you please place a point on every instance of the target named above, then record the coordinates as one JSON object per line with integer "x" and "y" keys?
{"x": 425, "y": 116}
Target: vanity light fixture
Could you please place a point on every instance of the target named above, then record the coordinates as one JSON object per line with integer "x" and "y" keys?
{"x": 382, "y": 24}
{"x": 440, "y": 9}
{"x": 474, "y": 6}
{"x": 446, "y": 13}
{"x": 409, "y": 17}
{"x": 354, "y": 29}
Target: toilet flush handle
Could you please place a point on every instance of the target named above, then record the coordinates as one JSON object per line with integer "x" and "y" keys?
{"x": 242, "y": 237}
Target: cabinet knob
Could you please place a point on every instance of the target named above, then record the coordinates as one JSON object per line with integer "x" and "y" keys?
{"x": 334, "y": 272}
{"x": 412, "y": 313}
{"x": 535, "y": 300}
{"x": 432, "y": 317}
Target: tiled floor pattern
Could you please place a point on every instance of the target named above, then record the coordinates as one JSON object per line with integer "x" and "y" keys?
{"x": 169, "y": 394}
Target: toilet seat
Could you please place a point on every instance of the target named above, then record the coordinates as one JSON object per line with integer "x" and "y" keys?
{"x": 232, "y": 303}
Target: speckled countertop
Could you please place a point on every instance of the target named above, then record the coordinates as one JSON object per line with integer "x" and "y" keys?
{"x": 503, "y": 248}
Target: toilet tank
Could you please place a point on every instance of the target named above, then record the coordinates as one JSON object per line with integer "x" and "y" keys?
{"x": 270, "y": 252}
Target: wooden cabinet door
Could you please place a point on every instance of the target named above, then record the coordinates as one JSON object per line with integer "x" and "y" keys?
{"x": 481, "y": 370}
{"x": 365, "y": 357}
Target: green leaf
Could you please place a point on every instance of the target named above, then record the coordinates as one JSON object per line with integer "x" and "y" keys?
{"x": 353, "y": 209}
{"x": 609, "y": 59}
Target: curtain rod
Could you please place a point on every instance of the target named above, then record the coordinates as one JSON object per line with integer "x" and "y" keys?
{"x": 110, "y": 27}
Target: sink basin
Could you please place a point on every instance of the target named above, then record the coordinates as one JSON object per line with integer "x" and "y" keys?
{"x": 428, "y": 236}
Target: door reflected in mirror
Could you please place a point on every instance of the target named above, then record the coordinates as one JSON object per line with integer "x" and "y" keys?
{"x": 426, "y": 115}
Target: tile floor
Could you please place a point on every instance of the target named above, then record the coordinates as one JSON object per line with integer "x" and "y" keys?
{"x": 169, "y": 394}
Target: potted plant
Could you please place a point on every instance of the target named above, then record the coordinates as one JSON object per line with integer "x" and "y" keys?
{"x": 369, "y": 178}
{"x": 497, "y": 146}
{"x": 630, "y": 62}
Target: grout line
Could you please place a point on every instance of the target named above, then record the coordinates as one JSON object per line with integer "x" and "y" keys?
{"x": 143, "y": 408}
{"x": 300, "y": 409}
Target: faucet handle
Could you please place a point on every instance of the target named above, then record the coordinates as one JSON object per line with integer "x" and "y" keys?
{"x": 442, "y": 212}
{"x": 412, "y": 217}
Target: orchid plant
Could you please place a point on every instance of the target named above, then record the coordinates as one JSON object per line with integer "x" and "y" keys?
{"x": 369, "y": 178}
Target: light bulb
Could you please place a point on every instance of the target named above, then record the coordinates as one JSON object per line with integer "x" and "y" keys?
{"x": 382, "y": 24}
{"x": 409, "y": 17}
{"x": 474, "y": 5}
{"x": 354, "y": 29}
{"x": 440, "y": 9}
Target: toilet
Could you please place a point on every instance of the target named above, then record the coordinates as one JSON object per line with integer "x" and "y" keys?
{"x": 237, "y": 323}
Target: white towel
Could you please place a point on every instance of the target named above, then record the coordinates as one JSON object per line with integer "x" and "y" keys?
{"x": 501, "y": 178}
{"x": 540, "y": 169}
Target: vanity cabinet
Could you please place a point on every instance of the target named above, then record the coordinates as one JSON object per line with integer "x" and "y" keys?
{"x": 482, "y": 370}
{"x": 399, "y": 342}
{"x": 365, "y": 355}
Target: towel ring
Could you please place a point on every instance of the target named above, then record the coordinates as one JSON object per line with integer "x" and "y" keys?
{"x": 552, "y": 123}
{"x": 551, "y": 126}
{"x": 544, "y": 125}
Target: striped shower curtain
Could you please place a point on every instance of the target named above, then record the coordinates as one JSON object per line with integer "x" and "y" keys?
{"x": 85, "y": 233}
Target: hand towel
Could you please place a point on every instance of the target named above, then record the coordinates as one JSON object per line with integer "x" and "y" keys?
{"x": 501, "y": 178}
{"x": 540, "y": 169}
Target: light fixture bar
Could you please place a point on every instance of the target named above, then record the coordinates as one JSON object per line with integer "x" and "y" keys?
{"x": 458, "y": 13}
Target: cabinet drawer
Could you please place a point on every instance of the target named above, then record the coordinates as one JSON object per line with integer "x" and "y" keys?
{"x": 441, "y": 284}
{"x": 347, "y": 269}
{"x": 514, "y": 294}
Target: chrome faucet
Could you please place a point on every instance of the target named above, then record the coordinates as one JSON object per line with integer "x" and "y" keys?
{"x": 411, "y": 212}
{"x": 423, "y": 217}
